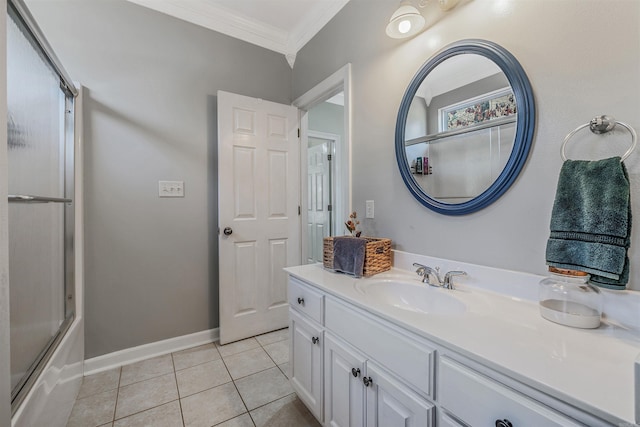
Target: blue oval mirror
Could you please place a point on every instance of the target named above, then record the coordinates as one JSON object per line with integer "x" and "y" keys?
{"x": 465, "y": 127}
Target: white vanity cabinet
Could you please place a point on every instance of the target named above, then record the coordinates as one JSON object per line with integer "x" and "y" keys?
{"x": 306, "y": 345}
{"x": 357, "y": 362}
{"x": 356, "y": 390}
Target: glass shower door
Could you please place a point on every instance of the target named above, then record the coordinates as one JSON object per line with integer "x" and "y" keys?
{"x": 40, "y": 171}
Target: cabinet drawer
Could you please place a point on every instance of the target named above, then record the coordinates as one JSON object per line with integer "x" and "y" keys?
{"x": 305, "y": 299}
{"x": 409, "y": 358}
{"x": 480, "y": 401}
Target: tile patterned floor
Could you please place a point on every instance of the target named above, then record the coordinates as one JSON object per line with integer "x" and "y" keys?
{"x": 242, "y": 384}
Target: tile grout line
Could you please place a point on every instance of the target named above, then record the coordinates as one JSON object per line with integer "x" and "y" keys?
{"x": 237, "y": 391}
{"x": 115, "y": 407}
{"x": 175, "y": 377}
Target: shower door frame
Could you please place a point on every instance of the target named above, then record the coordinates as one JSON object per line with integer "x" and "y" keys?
{"x": 68, "y": 141}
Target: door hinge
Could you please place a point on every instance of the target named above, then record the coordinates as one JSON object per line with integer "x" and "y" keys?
{"x": 329, "y": 157}
{"x": 298, "y": 132}
{"x": 299, "y": 211}
{"x": 330, "y": 208}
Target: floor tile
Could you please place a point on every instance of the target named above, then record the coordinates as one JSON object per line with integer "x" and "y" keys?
{"x": 212, "y": 406}
{"x": 201, "y": 377}
{"x": 286, "y": 412}
{"x": 271, "y": 337}
{"x": 195, "y": 356}
{"x": 278, "y": 351}
{"x": 146, "y": 394}
{"x": 94, "y": 410}
{"x": 167, "y": 415}
{"x": 237, "y": 347}
{"x": 263, "y": 387}
{"x": 100, "y": 382}
{"x": 146, "y": 369}
{"x": 285, "y": 369}
{"x": 248, "y": 362}
{"x": 243, "y": 420}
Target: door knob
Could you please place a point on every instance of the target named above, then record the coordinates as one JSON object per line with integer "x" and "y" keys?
{"x": 227, "y": 231}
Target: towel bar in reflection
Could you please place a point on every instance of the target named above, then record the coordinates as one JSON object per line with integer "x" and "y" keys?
{"x": 599, "y": 125}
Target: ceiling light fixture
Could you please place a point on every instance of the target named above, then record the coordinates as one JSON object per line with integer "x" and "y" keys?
{"x": 405, "y": 22}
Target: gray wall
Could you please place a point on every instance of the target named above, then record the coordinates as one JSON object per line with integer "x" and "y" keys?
{"x": 327, "y": 117}
{"x": 150, "y": 114}
{"x": 576, "y": 73}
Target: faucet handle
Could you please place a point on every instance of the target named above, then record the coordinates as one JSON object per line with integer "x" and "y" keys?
{"x": 422, "y": 271}
{"x": 448, "y": 281}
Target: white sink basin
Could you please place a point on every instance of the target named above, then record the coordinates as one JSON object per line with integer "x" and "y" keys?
{"x": 412, "y": 296}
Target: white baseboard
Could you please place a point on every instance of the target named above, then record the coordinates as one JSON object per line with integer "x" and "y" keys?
{"x": 146, "y": 351}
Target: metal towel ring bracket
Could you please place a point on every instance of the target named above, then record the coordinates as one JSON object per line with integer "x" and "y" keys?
{"x": 599, "y": 125}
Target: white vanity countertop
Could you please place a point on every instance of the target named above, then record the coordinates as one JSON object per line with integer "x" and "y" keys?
{"x": 590, "y": 369}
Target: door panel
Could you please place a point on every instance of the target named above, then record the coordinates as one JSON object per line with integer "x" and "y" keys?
{"x": 391, "y": 404}
{"x": 305, "y": 354}
{"x": 344, "y": 392}
{"x": 319, "y": 196}
{"x": 258, "y": 198}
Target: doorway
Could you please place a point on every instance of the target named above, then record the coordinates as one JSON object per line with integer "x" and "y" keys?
{"x": 325, "y": 123}
{"x": 320, "y": 219}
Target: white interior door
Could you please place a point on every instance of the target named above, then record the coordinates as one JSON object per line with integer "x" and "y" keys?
{"x": 319, "y": 199}
{"x": 258, "y": 214}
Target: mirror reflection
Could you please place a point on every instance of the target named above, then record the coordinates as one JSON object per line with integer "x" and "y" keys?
{"x": 460, "y": 128}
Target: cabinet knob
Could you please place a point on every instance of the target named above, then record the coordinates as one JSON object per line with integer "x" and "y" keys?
{"x": 315, "y": 340}
{"x": 300, "y": 301}
{"x": 503, "y": 423}
{"x": 367, "y": 381}
{"x": 228, "y": 231}
{"x": 355, "y": 372}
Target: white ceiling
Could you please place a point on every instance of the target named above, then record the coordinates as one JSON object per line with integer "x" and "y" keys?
{"x": 283, "y": 26}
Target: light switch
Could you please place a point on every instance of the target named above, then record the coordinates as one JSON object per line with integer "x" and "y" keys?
{"x": 171, "y": 188}
{"x": 369, "y": 212}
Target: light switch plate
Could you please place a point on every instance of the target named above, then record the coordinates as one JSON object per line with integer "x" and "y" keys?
{"x": 171, "y": 188}
{"x": 369, "y": 213}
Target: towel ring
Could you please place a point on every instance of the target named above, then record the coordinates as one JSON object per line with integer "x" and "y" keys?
{"x": 599, "y": 125}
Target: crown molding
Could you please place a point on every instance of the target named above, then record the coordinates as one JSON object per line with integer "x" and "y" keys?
{"x": 214, "y": 17}
{"x": 313, "y": 22}
{"x": 210, "y": 15}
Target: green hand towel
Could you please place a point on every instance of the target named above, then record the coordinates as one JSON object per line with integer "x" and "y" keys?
{"x": 591, "y": 221}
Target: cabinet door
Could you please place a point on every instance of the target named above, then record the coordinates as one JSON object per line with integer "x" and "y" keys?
{"x": 391, "y": 404}
{"x": 478, "y": 400}
{"x": 306, "y": 362}
{"x": 343, "y": 387}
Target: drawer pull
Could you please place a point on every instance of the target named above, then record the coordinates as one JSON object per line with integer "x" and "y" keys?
{"x": 503, "y": 423}
{"x": 367, "y": 381}
{"x": 355, "y": 372}
{"x": 300, "y": 301}
{"x": 315, "y": 340}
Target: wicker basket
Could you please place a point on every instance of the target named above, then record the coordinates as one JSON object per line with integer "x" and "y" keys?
{"x": 377, "y": 256}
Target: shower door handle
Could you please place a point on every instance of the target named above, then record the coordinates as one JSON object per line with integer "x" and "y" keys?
{"x": 22, "y": 198}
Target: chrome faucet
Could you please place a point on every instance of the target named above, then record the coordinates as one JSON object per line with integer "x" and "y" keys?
{"x": 448, "y": 282}
{"x": 426, "y": 272}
